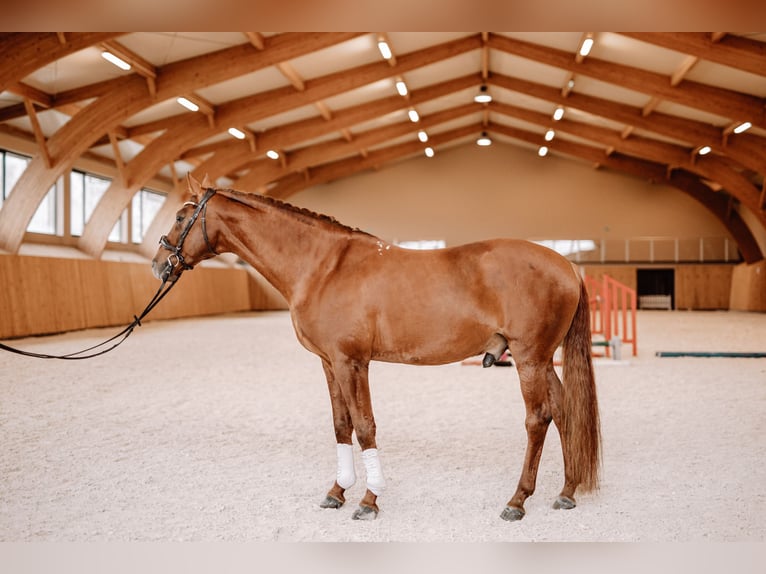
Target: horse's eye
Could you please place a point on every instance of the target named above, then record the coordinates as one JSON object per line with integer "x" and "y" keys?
{"x": 179, "y": 218}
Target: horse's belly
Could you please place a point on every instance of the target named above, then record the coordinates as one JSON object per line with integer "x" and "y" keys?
{"x": 414, "y": 341}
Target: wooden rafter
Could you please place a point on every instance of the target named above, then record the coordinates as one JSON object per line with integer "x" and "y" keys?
{"x": 678, "y": 76}
{"x": 117, "y": 155}
{"x": 24, "y": 52}
{"x": 39, "y": 135}
{"x": 36, "y": 96}
{"x": 256, "y": 39}
{"x": 141, "y": 66}
{"x": 292, "y": 75}
{"x": 733, "y": 51}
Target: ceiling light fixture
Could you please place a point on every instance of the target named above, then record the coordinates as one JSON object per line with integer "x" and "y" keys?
{"x": 188, "y": 104}
{"x": 743, "y": 127}
{"x": 484, "y": 140}
{"x": 543, "y": 151}
{"x": 273, "y": 154}
{"x": 483, "y": 97}
{"x": 429, "y": 151}
{"x": 422, "y": 136}
{"x": 119, "y": 62}
{"x": 401, "y": 87}
{"x": 239, "y": 134}
{"x": 586, "y": 46}
{"x": 704, "y": 150}
{"x": 414, "y": 117}
{"x": 549, "y": 135}
{"x": 558, "y": 114}
{"x": 385, "y": 51}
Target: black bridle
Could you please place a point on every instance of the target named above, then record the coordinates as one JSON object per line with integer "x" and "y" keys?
{"x": 175, "y": 259}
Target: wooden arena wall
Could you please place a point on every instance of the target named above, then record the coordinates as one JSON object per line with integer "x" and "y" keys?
{"x": 748, "y": 290}
{"x": 42, "y": 295}
{"x": 697, "y": 287}
{"x": 712, "y": 286}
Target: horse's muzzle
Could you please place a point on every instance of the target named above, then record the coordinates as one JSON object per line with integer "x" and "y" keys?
{"x": 161, "y": 270}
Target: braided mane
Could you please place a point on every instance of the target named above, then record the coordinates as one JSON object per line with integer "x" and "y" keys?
{"x": 256, "y": 199}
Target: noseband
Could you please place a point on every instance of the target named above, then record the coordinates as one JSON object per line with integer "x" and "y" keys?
{"x": 176, "y": 258}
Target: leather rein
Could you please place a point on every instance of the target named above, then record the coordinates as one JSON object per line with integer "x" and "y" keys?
{"x": 175, "y": 259}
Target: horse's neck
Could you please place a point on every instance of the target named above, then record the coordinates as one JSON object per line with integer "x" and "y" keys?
{"x": 282, "y": 246}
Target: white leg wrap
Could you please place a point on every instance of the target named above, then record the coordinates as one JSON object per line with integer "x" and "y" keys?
{"x": 375, "y": 481}
{"x": 346, "y": 475}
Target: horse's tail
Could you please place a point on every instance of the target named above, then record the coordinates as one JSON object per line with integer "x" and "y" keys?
{"x": 582, "y": 429}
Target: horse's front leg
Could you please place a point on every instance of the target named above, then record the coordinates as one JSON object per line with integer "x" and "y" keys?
{"x": 345, "y": 476}
{"x": 352, "y": 411}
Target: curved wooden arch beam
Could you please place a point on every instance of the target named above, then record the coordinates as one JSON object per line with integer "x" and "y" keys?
{"x": 748, "y": 150}
{"x": 652, "y": 171}
{"x": 181, "y": 133}
{"x": 23, "y": 52}
{"x": 129, "y": 95}
{"x": 673, "y": 156}
{"x": 717, "y": 203}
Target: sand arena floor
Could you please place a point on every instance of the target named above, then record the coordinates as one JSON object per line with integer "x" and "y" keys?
{"x": 219, "y": 429}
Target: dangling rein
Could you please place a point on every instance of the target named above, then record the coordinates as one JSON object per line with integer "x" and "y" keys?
{"x": 168, "y": 281}
{"x": 120, "y": 337}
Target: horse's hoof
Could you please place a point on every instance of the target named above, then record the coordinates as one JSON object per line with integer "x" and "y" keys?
{"x": 365, "y": 513}
{"x": 512, "y": 513}
{"x": 564, "y": 503}
{"x": 331, "y": 502}
{"x": 488, "y": 360}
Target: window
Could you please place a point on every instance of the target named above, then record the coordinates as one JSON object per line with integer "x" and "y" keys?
{"x": 569, "y": 247}
{"x": 85, "y": 191}
{"x": 46, "y": 216}
{"x": 422, "y": 244}
{"x": 144, "y": 208}
{"x": 12, "y": 166}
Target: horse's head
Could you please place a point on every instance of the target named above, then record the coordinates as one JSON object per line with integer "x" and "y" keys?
{"x": 187, "y": 243}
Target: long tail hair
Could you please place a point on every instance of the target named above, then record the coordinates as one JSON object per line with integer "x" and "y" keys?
{"x": 582, "y": 428}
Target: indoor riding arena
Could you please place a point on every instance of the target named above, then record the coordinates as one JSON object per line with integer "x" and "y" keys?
{"x": 331, "y": 211}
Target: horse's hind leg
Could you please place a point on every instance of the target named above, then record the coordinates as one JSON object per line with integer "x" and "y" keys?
{"x": 566, "y": 498}
{"x": 346, "y": 475}
{"x": 534, "y": 389}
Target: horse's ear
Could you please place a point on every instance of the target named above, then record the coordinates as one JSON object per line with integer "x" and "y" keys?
{"x": 195, "y": 188}
{"x": 206, "y": 183}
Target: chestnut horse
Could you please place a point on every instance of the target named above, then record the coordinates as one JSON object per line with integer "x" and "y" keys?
{"x": 354, "y": 298}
